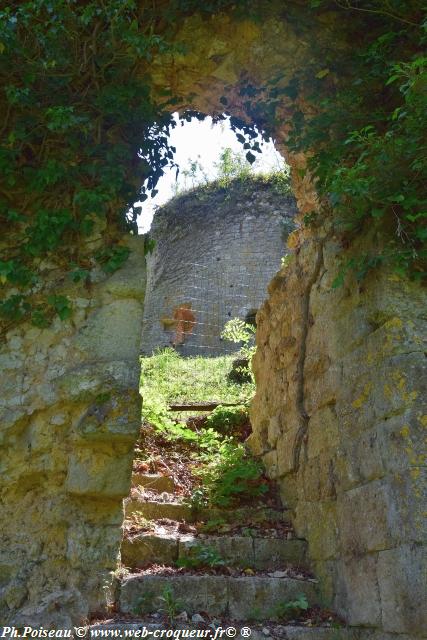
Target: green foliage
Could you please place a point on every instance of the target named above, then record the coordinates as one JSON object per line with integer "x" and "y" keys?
{"x": 81, "y": 136}
{"x": 292, "y": 608}
{"x": 170, "y": 605}
{"x": 228, "y": 474}
{"x": 280, "y": 180}
{"x": 233, "y": 166}
{"x": 368, "y": 131}
{"x": 112, "y": 258}
{"x": 167, "y": 377}
{"x": 231, "y": 475}
{"x": 242, "y": 333}
{"x": 227, "y": 420}
{"x": 201, "y": 557}
{"x": 236, "y": 330}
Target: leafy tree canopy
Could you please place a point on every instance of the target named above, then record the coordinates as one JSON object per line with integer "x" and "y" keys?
{"x": 80, "y": 131}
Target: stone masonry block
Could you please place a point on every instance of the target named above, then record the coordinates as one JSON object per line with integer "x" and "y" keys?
{"x": 261, "y": 597}
{"x": 402, "y": 584}
{"x": 112, "y": 332}
{"x": 113, "y": 416}
{"x": 276, "y": 553}
{"x": 235, "y": 550}
{"x": 99, "y": 473}
{"x": 357, "y": 595}
{"x": 285, "y": 449}
{"x": 144, "y": 549}
{"x": 94, "y": 545}
{"x": 317, "y": 522}
{"x": 373, "y": 531}
{"x": 361, "y": 458}
{"x": 322, "y": 431}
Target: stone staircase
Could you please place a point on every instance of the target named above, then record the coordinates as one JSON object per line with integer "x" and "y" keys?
{"x": 180, "y": 571}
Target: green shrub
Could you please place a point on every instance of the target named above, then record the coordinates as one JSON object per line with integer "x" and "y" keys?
{"x": 231, "y": 475}
{"x": 201, "y": 557}
{"x": 226, "y": 420}
{"x": 292, "y": 608}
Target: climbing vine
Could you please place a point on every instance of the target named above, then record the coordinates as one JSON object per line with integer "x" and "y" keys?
{"x": 371, "y": 132}
{"x": 363, "y": 125}
{"x": 82, "y": 137}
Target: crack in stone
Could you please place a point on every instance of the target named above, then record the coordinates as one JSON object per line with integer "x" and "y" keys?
{"x": 302, "y": 433}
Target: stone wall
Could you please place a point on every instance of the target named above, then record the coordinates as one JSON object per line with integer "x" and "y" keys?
{"x": 69, "y": 415}
{"x": 216, "y": 249}
{"x": 340, "y": 423}
{"x": 337, "y": 415}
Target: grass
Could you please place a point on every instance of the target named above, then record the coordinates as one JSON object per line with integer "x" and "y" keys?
{"x": 168, "y": 377}
{"x": 224, "y": 471}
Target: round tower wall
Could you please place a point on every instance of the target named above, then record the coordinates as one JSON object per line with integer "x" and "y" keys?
{"x": 216, "y": 250}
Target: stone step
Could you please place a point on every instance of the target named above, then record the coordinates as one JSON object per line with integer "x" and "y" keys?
{"x": 157, "y": 510}
{"x": 181, "y": 511}
{"x": 237, "y": 551}
{"x": 154, "y": 482}
{"x": 135, "y": 628}
{"x": 239, "y": 598}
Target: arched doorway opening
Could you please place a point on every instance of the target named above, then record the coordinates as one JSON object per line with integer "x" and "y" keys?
{"x": 321, "y": 402}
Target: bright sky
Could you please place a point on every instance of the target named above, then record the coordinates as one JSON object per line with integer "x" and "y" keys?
{"x": 201, "y": 141}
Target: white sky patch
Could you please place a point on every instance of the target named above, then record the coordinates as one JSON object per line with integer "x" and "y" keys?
{"x": 201, "y": 141}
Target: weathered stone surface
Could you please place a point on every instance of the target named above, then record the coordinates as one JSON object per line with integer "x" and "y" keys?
{"x": 146, "y": 548}
{"x": 67, "y": 424}
{"x": 57, "y": 610}
{"x": 356, "y": 479}
{"x": 112, "y": 417}
{"x": 110, "y": 332}
{"x": 182, "y": 511}
{"x": 234, "y": 550}
{"x": 359, "y": 597}
{"x": 261, "y": 597}
{"x": 154, "y": 482}
{"x": 240, "y": 598}
{"x": 318, "y": 522}
{"x": 324, "y": 431}
{"x": 271, "y": 553}
{"x": 93, "y": 473}
{"x": 231, "y": 245}
{"x": 193, "y": 593}
{"x": 156, "y": 510}
{"x": 270, "y": 462}
{"x": 374, "y": 531}
{"x": 403, "y": 591}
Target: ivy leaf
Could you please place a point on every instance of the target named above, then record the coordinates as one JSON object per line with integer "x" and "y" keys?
{"x": 61, "y": 305}
{"x": 250, "y": 157}
{"x": 377, "y": 213}
{"x": 39, "y": 319}
{"x": 322, "y": 74}
{"x": 78, "y": 274}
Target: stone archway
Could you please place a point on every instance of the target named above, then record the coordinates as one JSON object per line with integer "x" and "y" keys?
{"x": 337, "y": 415}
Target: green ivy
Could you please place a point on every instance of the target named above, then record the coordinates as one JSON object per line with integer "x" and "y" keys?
{"x": 363, "y": 125}
{"x": 368, "y": 131}
{"x": 81, "y": 137}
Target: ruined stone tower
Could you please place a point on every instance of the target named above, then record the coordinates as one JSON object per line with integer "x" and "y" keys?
{"x": 216, "y": 251}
